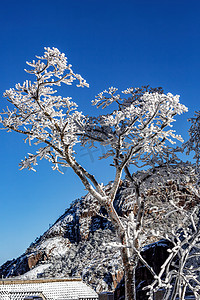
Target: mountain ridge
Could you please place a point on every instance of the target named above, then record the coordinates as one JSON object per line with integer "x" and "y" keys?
{"x": 62, "y": 251}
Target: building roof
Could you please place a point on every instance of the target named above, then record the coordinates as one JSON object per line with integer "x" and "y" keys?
{"x": 49, "y": 289}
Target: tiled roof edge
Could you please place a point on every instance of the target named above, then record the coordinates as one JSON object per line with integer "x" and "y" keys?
{"x": 42, "y": 280}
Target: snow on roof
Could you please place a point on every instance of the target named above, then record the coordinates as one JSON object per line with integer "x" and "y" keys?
{"x": 51, "y": 289}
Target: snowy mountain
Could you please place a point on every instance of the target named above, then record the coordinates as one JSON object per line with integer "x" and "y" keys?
{"x": 74, "y": 245}
{"x": 77, "y": 243}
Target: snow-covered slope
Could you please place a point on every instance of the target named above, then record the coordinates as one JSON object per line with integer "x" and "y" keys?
{"x": 74, "y": 246}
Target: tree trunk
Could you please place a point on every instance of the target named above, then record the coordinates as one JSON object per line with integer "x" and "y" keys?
{"x": 127, "y": 258}
{"x": 130, "y": 292}
{"x": 129, "y": 271}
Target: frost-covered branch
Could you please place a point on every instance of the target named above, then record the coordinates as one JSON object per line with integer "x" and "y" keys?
{"x": 180, "y": 272}
{"x": 136, "y": 129}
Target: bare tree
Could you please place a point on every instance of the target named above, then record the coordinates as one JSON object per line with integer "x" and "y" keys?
{"x": 134, "y": 132}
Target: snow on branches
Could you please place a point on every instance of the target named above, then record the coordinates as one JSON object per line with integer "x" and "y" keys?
{"x": 179, "y": 274}
{"x": 137, "y": 127}
{"x": 42, "y": 116}
{"x": 193, "y": 144}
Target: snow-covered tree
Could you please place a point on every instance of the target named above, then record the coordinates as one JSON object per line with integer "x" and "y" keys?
{"x": 169, "y": 208}
{"x": 179, "y": 273}
{"x": 134, "y": 133}
{"x": 193, "y": 144}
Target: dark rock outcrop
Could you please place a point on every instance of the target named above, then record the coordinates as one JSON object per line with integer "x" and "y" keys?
{"x": 155, "y": 255}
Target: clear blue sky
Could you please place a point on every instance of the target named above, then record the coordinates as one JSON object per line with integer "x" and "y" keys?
{"x": 111, "y": 43}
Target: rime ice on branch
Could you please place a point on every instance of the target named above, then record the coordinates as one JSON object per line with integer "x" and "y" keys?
{"x": 193, "y": 144}
{"x": 45, "y": 118}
